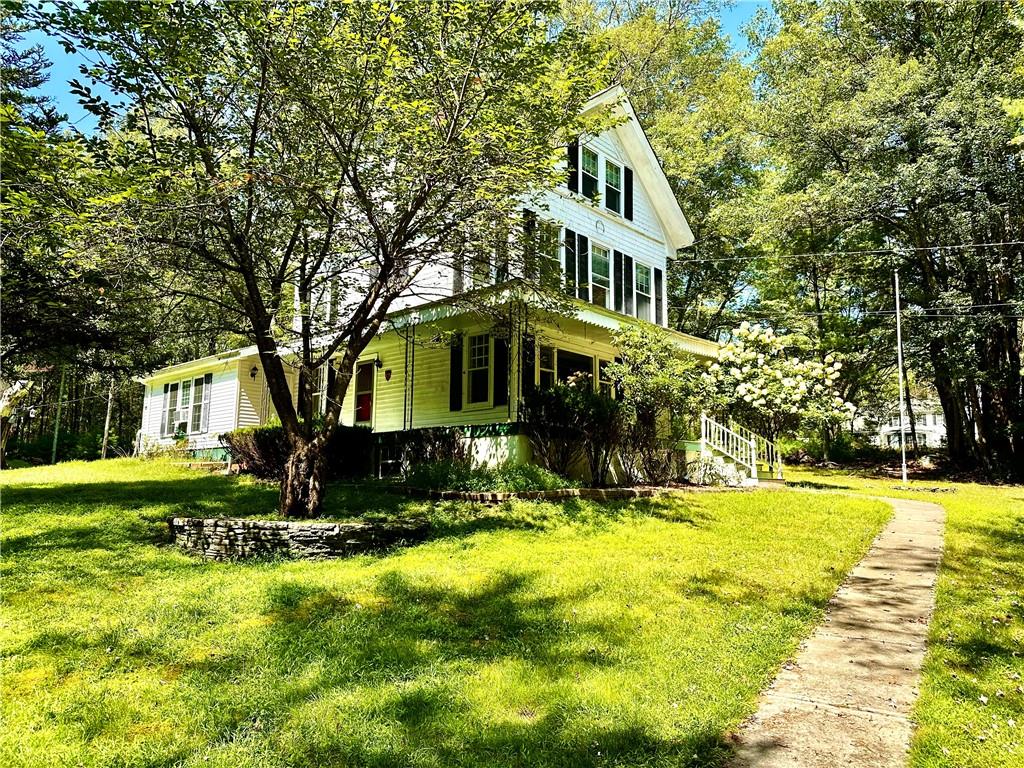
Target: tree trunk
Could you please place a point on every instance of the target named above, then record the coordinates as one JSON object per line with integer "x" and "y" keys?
{"x": 303, "y": 484}
{"x": 911, "y": 418}
{"x": 5, "y": 431}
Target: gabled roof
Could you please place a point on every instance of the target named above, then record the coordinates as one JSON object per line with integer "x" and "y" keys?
{"x": 645, "y": 164}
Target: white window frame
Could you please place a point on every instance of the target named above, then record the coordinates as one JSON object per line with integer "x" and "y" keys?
{"x": 595, "y": 176}
{"x": 604, "y": 385}
{"x": 169, "y": 429}
{"x": 608, "y": 185}
{"x": 609, "y": 299}
{"x": 468, "y": 362}
{"x": 553, "y": 370}
{"x": 648, "y": 294}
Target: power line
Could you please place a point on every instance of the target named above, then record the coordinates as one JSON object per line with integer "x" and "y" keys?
{"x": 865, "y": 252}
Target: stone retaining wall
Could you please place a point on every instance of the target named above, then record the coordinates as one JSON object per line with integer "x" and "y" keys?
{"x": 228, "y": 539}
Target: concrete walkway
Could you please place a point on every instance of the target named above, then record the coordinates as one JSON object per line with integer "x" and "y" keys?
{"x": 846, "y": 699}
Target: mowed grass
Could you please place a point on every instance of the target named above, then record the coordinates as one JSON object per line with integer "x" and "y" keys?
{"x": 532, "y": 634}
{"x": 971, "y": 710}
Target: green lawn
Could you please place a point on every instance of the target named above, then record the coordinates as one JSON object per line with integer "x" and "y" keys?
{"x": 534, "y": 634}
{"x": 971, "y": 710}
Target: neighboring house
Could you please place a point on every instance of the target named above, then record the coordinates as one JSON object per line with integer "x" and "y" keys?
{"x": 884, "y": 430}
{"x": 610, "y": 232}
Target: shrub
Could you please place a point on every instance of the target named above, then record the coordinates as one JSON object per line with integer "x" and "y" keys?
{"x": 570, "y": 422}
{"x": 661, "y": 392}
{"x": 427, "y": 445}
{"x": 263, "y": 451}
{"x": 463, "y": 476}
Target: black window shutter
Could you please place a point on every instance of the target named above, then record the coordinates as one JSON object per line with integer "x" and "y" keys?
{"x": 570, "y": 262}
{"x": 529, "y": 244}
{"x": 500, "y": 371}
{"x": 658, "y": 288}
{"x": 583, "y": 267}
{"x": 617, "y": 279}
{"x": 627, "y": 206}
{"x": 455, "y": 375}
{"x": 627, "y": 285}
{"x": 573, "y": 167}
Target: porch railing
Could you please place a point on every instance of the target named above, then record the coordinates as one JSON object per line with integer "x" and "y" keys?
{"x": 766, "y": 450}
{"x": 719, "y": 437}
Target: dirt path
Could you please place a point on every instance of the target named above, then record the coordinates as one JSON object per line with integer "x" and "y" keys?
{"x": 846, "y": 699}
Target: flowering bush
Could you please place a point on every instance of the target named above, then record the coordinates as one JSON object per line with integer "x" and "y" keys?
{"x": 762, "y": 380}
{"x": 661, "y": 395}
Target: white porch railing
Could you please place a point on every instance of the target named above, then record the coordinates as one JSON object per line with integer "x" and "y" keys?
{"x": 720, "y": 438}
{"x": 767, "y": 452}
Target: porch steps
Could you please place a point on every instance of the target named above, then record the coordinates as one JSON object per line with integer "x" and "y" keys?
{"x": 755, "y": 458}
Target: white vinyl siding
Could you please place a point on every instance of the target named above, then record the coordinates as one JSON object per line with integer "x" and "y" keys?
{"x": 219, "y": 404}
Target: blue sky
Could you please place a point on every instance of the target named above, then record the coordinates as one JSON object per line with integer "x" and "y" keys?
{"x": 65, "y": 67}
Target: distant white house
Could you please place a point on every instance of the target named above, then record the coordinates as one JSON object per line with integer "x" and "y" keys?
{"x": 884, "y": 430}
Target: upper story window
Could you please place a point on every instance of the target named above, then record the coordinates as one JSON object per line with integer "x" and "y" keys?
{"x": 643, "y": 292}
{"x": 590, "y": 168}
{"x": 591, "y": 174}
{"x": 612, "y": 186}
{"x": 600, "y": 280}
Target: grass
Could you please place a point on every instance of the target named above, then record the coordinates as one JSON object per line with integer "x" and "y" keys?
{"x": 532, "y": 634}
{"x": 971, "y": 710}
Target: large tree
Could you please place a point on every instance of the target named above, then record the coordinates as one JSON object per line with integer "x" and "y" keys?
{"x": 887, "y": 125}
{"x": 302, "y": 165}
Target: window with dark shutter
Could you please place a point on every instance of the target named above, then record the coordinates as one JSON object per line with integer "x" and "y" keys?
{"x": 612, "y": 186}
{"x": 659, "y": 316}
{"x": 478, "y": 369}
{"x": 590, "y": 169}
{"x": 570, "y": 262}
{"x": 627, "y": 205}
{"x": 582, "y": 268}
{"x": 500, "y": 371}
{"x": 455, "y": 374}
{"x": 617, "y": 279}
{"x": 573, "y": 166}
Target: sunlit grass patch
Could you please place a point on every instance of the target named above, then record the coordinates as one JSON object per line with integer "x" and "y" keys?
{"x": 533, "y": 633}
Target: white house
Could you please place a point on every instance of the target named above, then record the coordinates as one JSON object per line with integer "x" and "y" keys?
{"x": 611, "y": 231}
{"x": 884, "y": 430}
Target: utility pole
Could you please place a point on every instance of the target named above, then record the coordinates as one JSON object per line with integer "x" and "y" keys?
{"x": 899, "y": 370}
{"x": 56, "y": 422}
{"x": 106, "y": 422}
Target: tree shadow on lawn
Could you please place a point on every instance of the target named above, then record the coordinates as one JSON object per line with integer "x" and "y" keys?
{"x": 815, "y": 485}
{"x": 153, "y": 502}
{"x": 416, "y": 642}
{"x": 990, "y": 640}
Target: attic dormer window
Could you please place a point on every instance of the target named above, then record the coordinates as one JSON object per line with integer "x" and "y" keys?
{"x": 612, "y": 186}
{"x": 589, "y": 167}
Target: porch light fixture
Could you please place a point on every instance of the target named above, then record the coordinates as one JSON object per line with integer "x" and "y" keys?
{"x": 378, "y": 363}
{"x": 254, "y": 372}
